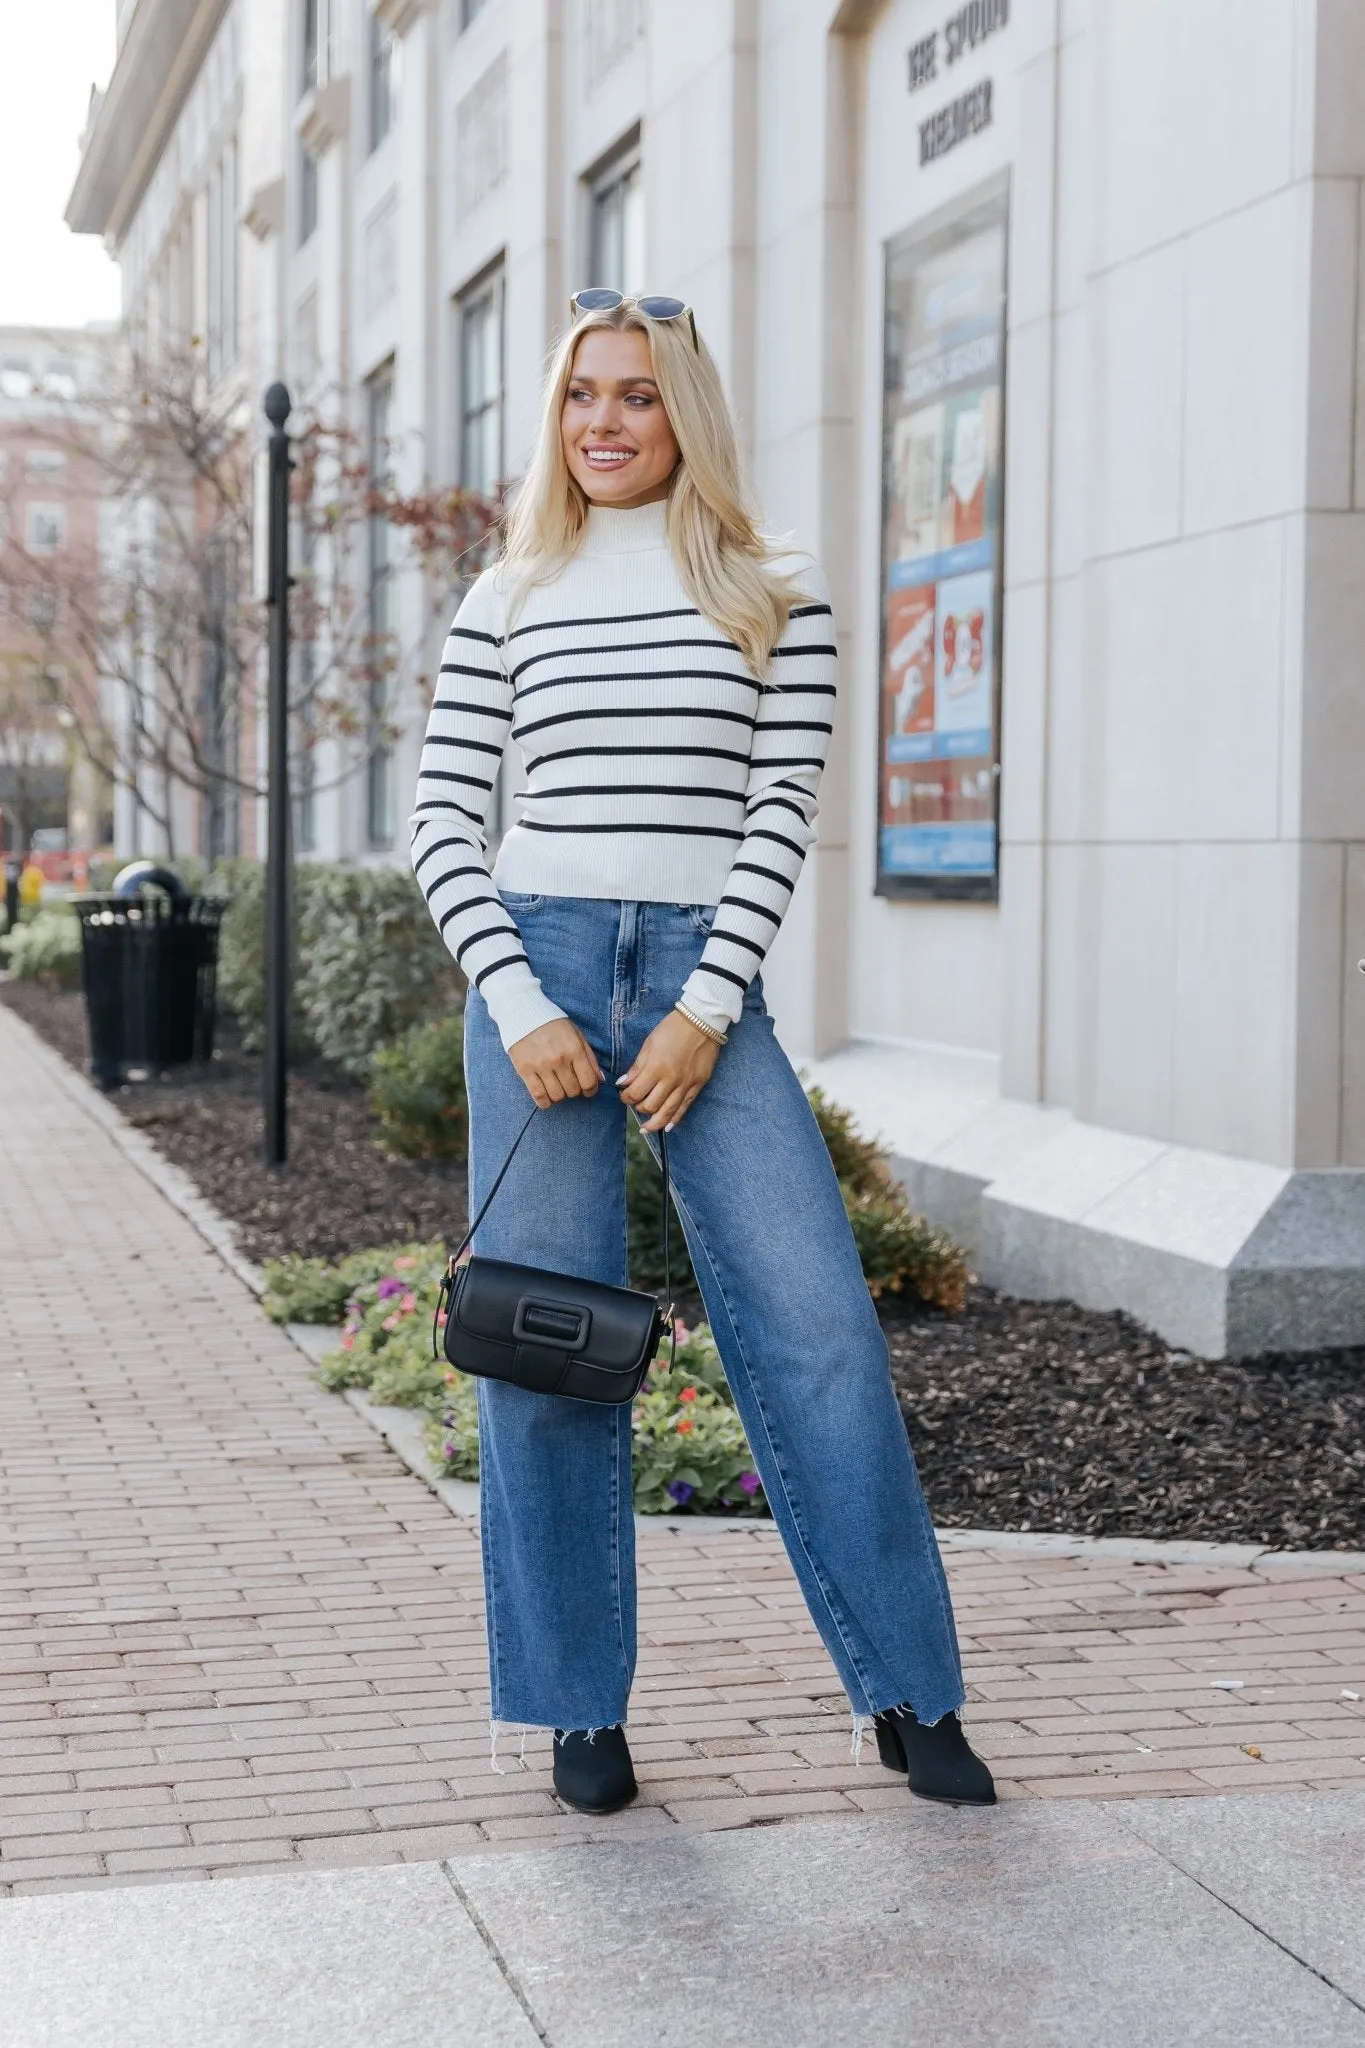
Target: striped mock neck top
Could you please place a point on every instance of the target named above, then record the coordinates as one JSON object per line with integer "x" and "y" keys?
{"x": 656, "y": 767}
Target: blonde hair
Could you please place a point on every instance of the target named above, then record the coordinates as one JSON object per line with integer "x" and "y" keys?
{"x": 724, "y": 563}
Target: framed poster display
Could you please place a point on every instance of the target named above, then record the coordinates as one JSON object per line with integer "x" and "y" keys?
{"x": 938, "y": 742}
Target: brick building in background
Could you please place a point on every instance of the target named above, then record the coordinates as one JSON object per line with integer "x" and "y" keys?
{"x": 52, "y": 382}
{"x": 1041, "y": 322}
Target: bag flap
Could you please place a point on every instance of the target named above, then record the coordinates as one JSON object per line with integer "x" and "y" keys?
{"x": 490, "y": 1291}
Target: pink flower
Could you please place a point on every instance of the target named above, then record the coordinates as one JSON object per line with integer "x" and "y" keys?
{"x": 408, "y": 1304}
{"x": 348, "y": 1342}
{"x": 404, "y": 1265}
{"x": 389, "y": 1323}
{"x": 680, "y": 1330}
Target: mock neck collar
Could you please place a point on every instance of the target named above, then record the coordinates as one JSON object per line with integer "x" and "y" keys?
{"x": 634, "y": 532}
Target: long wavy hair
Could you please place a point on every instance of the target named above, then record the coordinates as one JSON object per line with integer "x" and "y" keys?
{"x": 725, "y": 564}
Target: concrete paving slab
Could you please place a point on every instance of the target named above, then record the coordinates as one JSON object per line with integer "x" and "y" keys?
{"x": 334, "y": 1959}
{"x": 1294, "y": 1866}
{"x": 1028, "y": 1925}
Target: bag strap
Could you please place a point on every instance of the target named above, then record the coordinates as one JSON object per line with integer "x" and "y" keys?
{"x": 487, "y": 1203}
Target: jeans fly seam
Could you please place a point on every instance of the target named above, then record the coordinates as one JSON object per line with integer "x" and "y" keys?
{"x": 855, "y": 1664}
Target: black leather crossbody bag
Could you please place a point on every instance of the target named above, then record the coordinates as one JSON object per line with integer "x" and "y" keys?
{"x": 549, "y": 1332}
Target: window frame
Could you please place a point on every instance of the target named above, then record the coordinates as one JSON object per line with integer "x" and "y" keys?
{"x": 380, "y": 586}
{"x": 382, "y": 68}
{"x": 487, "y": 291}
{"x": 620, "y": 172}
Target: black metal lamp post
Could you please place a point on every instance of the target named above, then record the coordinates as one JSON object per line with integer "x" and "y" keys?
{"x": 277, "y": 891}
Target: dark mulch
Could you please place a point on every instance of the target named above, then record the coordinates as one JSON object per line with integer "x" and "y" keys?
{"x": 1042, "y": 1415}
{"x": 1024, "y": 1415}
{"x": 340, "y": 1190}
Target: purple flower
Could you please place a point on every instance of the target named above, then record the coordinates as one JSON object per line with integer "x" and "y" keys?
{"x": 386, "y": 1288}
{"x": 750, "y": 1481}
{"x": 680, "y": 1490}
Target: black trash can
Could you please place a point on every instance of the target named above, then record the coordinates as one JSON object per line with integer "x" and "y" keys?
{"x": 149, "y": 963}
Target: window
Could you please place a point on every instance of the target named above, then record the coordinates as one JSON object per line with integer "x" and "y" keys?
{"x": 310, "y": 45}
{"x": 46, "y": 464}
{"x": 222, "y": 263}
{"x": 46, "y": 529}
{"x": 618, "y": 226}
{"x": 469, "y": 9}
{"x": 383, "y": 81}
{"x": 43, "y": 606}
{"x": 218, "y": 701}
{"x": 308, "y": 193}
{"x": 481, "y": 386}
{"x": 59, "y": 379}
{"x": 379, "y": 773}
{"x": 16, "y": 378}
{"x": 305, "y": 776}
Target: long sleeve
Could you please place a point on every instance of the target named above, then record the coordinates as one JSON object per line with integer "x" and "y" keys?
{"x": 465, "y": 740}
{"x": 791, "y": 739}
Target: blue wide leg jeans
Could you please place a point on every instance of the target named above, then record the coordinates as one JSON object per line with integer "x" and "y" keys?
{"x": 789, "y": 1310}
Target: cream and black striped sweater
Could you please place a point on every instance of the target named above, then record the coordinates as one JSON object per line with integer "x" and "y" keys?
{"x": 657, "y": 769}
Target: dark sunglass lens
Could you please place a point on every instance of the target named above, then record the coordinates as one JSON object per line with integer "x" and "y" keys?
{"x": 662, "y": 309}
{"x": 597, "y": 300}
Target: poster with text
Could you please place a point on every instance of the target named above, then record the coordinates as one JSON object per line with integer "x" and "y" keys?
{"x": 938, "y": 731}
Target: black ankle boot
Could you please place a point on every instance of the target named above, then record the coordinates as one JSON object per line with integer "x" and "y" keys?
{"x": 938, "y": 1761}
{"x": 593, "y": 1772}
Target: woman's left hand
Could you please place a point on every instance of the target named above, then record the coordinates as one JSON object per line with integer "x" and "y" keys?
{"x": 674, "y": 1065}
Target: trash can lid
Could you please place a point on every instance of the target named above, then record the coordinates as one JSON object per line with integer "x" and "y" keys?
{"x": 143, "y": 874}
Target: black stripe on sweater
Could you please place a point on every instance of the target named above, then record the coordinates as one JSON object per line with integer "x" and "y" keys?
{"x": 786, "y": 653}
{"x": 759, "y": 909}
{"x": 512, "y": 960}
{"x": 749, "y": 867}
{"x": 685, "y": 611}
{"x": 639, "y": 825}
{"x": 734, "y": 939}
{"x": 521, "y": 732}
{"x": 473, "y": 710}
{"x": 490, "y": 931}
{"x": 728, "y": 796}
{"x": 810, "y": 611}
{"x": 710, "y": 967}
{"x": 649, "y": 675}
{"x": 461, "y": 668}
{"x": 637, "y": 647}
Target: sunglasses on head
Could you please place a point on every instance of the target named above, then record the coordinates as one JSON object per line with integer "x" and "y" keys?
{"x": 599, "y": 300}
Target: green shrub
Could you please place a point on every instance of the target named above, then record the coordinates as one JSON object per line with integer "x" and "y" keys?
{"x": 902, "y": 1254}
{"x": 368, "y": 961}
{"x": 47, "y": 949}
{"x": 311, "y": 1291}
{"x": 645, "y": 1221}
{"x": 241, "y": 951}
{"x": 372, "y": 963}
{"x": 858, "y": 1162}
{"x": 417, "y": 1092}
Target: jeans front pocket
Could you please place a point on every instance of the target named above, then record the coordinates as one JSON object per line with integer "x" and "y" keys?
{"x": 518, "y": 904}
{"x": 703, "y": 916}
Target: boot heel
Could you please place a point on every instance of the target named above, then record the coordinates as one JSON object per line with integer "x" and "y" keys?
{"x": 889, "y": 1745}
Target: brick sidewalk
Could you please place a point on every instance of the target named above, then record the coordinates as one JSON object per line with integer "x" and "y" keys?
{"x": 236, "y": 1634}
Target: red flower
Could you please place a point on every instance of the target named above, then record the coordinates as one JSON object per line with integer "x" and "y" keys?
{"x": 688, "y": 1394}
{"x": 685, "y": 1425}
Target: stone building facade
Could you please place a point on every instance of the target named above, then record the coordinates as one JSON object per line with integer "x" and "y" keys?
{"x": 1041, "y": 320}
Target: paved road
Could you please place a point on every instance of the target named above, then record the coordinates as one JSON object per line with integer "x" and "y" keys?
{"x": 236, "y": 1634}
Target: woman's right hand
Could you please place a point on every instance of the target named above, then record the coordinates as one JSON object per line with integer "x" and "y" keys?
{"x": 556, "y": 1062}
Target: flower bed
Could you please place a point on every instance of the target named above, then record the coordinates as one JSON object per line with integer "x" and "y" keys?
{"x": 690, "y": 1451}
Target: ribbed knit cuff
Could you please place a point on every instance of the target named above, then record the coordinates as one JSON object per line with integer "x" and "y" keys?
{"x": 704, "y": 995}
{"x": 519, "y": 1004}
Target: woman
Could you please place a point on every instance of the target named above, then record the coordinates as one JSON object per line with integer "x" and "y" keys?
{"x": 671, "y": 686}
